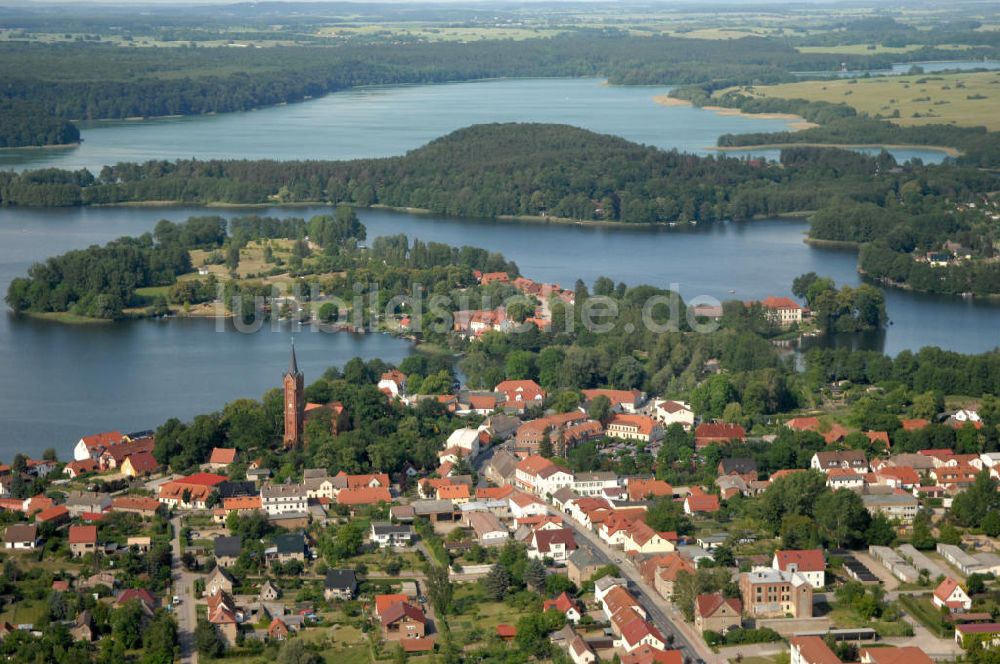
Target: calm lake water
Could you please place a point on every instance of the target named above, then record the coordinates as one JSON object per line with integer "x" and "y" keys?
{"x": 386, "y": 121}
{"x": 60, "y": 381}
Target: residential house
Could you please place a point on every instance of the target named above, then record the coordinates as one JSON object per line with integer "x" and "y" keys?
{"x": 666, "y": 570}
{"x": 80, "y": 502}
{"x": 268, "y": 592}
{"x": 557, "y": 544}
{"x": 520, "y": 394}
{"x": 640, "y": 538}
{"x": 139, "y": 543}
{"x": 699, "y": 502}
{"x": 501, "y": 468}
{"x": 581, "y": 565}
{"x": 668, "y": 412}
{"x": 393, "y": 383}
{"x": 218, "y": 580}
{"x": 716, "y": 613}
{"x": 340, "y": 584}
{"x": 384, "y": 534}
{"x": 291, "y": 546}
{"x": 75, "y": 469}
{"x": 594, "y": 483}
{"x": 564, "y": 605}
{"x": 489, "y": 531}
{"x": 402, "y": 621}
{"x": 278, "y": 499}
{"x": 783, "y": 311}
{"x": 709, "y": 433}
{"x": 82, "y": 540}
{"x": 277, "y": 630}
{"x": 811, "y": 650}
{"x": 738, "y": 466}
{"x": 810, "y": 563}
{"x": 843, "y": 459}
{"x": 140, "y": 505}
{"x": 222, "y": 614}
{"x": 898, "y": 655}
{"x": 641, "y": 428}
{"x": 222, "y": 457}
{"x": 640, "y": 489}
{"x": 21, "y": 537}
{"x": 579, "y": 651}
{"x": 363, "y": 496}
{"x": 951, "y": 596}
{"x": 140, "y": 464}
{"x": 622, "y": 401}
{"x": 90, "y": 447}
{"x": 227, "y": 550}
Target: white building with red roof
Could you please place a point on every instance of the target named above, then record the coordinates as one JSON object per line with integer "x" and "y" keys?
{"x": 782, "y": 310}
{"x": 90, "y": 447}
{"x": 952, "y": 596}
{"x": 634, "y": 427}
{"x": 669, "y": 412}
{"x": 520, "y": 394}
{"x": 810, "y": 563}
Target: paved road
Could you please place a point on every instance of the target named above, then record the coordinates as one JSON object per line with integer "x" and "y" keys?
{"x": 662, "y": 613}
{"x": 187, "y": 618}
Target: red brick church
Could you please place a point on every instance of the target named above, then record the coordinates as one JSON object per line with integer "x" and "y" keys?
{"x": 298, "y": 412}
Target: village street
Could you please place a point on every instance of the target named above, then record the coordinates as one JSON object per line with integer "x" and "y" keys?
{"x": 187, "y": 618}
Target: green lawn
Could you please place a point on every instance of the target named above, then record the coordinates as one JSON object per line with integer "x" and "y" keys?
{"x": 24, "y": 612}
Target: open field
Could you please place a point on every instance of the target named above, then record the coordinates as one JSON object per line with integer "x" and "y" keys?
{"x": 435, "y": 33}
{"x": 966, "y": 100}
{"x": 875, "y": 49}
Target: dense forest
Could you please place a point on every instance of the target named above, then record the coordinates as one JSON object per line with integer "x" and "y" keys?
{"x": 515, "y": 169}
{"x": 24, "y": 123}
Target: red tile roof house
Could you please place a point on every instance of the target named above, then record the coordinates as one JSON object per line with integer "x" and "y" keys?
{"x": 708, "y": 433}
{"x": 651, "y": 655}
{"x": 987, "y": 633}
{"x": 519, "y": 394}
{"x": 716, "y": 613}
{"x": 564, "y": 605}
{"x": 75, "y": 469}
{"x": 403, "y": 621}
{"x": 221, "y": 457}
{"x": 811, "y": 650}
{"x": 644, "y": 489}
{"x": 699, "y": 502}
{"x": 810, "y": 563}
{"x": 951, "y": 595}
{"x": 56, "y": 514}
{"x": 556, "y": 544}
{"x": 90, "y": 447}
{"x": 82, "y": 540}
{"x": 141, "y": 464}
{"x": 506, "y": 632}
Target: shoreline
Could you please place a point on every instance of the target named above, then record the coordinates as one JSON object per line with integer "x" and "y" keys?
{"x": 47, "y": 146}
{"x": 949, "y": 151}
{"x": 795, "y": 122}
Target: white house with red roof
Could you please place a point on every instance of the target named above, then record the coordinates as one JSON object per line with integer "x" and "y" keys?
{"x": 623, "y": 401}
{"x": 782, "y": 310}
{"x": 634, "y": 427}
{"x": 393, "y": 383}
{"x": 524, "y": 504}
{"x": 951, "y": 595}
{"x": 810, "y": 563}
{"x": 668, "y": 412}
{"x": 90, "y": 447}
{"x": 540, "y": 476}
{"x": 564, "y": 605}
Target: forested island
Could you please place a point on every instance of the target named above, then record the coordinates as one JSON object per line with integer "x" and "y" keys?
{"x": 558, "y": 172}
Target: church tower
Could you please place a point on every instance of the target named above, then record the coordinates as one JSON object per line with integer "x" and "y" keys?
{"x": 294, "y": 382}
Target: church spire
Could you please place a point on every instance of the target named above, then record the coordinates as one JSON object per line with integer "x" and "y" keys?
{"x": 293, "y": 365}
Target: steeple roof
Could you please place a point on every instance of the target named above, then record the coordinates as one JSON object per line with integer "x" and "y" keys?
{"x": 293, "y": 365}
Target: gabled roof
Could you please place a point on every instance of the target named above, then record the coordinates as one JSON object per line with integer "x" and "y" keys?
{"x": 142, "y": 463}
{"x": 364, "y": 496}
{"x": 814, "y": 650}
{"x": 706, "y": 605}
{"x": 399, "y": 610}
{"x": 20, "y": 533}
{"x": 640, "y": 489}
{"x": 946, "y": 588}
{"x": 105, "y": 439}
{"x": 229, "y": 547}
{"x": 642, "y": 423}
{"x": 544, "y": 539}
{"x": 898, "y": 655}
{"x": 83, "y": 534}
{"x": 223, "y": 455}
{"x": 562, "y": 603}
{"x": 341, "y": 579}
{"x": 134, "y": 503}
{"x": 806, "y": 560}
{"x": 383, "y": 602}
{"x": 202, "y": 479}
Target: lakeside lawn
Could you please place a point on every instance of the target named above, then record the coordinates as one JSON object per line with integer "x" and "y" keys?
{"x": 966, "y": 100}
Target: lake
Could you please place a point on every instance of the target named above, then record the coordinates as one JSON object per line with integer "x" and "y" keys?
{"x": 61, "y": 381}
{"x": 387, "y": 121}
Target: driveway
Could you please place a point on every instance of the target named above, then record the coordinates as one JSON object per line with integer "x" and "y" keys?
{"x": 187, "y": 617}
{"x": 661, "y": 612}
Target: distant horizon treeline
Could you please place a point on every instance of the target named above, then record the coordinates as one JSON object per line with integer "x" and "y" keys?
{"x": 89, "y": 81}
